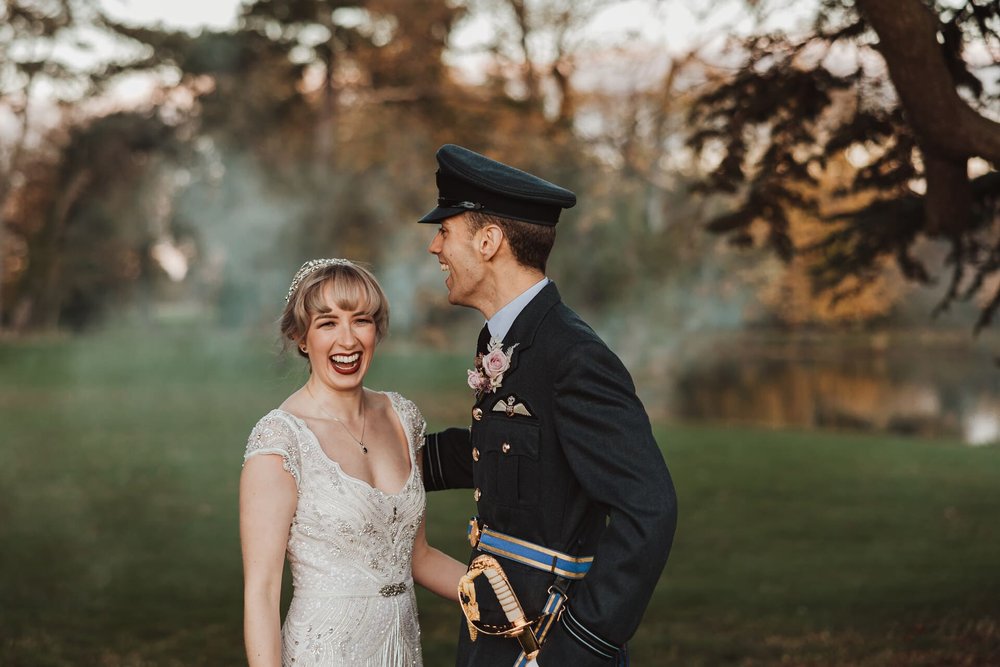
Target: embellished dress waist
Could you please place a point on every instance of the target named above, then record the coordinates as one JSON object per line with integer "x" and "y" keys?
{"x": 367, "y": 588}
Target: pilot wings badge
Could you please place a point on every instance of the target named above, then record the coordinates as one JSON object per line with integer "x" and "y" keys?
{"x": 511, "y": 406}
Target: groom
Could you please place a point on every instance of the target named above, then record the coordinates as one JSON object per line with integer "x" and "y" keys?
{"x": 576, "y": 509}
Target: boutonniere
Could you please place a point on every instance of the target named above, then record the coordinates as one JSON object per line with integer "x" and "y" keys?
{"x": 487, "y": 376}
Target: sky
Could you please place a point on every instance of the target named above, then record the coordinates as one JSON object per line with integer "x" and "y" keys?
{"x": 628, "y": 42}
{"x": 678, "y": 23}
{"x": 185, "y": 14}
{"x": 634, "y": 15}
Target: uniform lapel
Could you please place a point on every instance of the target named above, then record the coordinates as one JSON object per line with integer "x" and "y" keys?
{"x": 522, "y": 331}
{"x": 484, "y": 340}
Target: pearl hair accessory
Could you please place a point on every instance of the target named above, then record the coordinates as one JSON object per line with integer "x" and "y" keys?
{"x": 309, "y": 267}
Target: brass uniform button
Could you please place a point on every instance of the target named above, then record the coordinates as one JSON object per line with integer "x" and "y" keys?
{"x": 505, "y": 447}
{"x": 475, "y": 453}
{"x": 476, "y": 495}
{"x": 477, "y": 413}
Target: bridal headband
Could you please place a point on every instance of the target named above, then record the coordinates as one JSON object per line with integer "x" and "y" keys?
{"x": 311, "y": 266}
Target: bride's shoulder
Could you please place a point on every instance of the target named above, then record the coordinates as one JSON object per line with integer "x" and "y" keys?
{"x": 277, "y": 432}
{"x": 407, "y": 408}
{"x": 277, "y": 424}
{"x": 398, "y": 400}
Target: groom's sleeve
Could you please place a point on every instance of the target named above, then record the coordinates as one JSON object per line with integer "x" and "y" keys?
{"x": 448, "y": 460}
{"x": 605, "y": 433}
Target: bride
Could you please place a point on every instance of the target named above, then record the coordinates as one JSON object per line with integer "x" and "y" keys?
{"x": 331, "y": 477}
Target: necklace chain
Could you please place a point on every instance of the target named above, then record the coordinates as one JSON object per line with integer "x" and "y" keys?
{"x": 364, "y": 420}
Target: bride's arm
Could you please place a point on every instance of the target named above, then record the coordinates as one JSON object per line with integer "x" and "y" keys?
{"x": 432, "y": 568}
{"x": 268, "y": 498}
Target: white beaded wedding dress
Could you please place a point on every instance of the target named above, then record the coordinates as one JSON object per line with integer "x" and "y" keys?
{"x": 350, "y": 549}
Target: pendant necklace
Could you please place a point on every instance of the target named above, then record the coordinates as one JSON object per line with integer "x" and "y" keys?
{"x": 364, "y": 420}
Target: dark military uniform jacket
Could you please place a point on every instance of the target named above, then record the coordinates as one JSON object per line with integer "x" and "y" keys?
{"x": 581, "y": 473}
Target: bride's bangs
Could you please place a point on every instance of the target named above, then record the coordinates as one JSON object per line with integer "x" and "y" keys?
{"x": 350, "y": 288}
{"x": 347, "y": 290}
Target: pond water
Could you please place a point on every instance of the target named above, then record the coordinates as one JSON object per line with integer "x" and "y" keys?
{"x": 927, "y": 384}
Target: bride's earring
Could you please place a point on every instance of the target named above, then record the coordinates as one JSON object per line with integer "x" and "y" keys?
{"x": 303, "y": 348}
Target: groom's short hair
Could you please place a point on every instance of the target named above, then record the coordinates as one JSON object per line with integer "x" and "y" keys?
{"x": 530, "y": 243}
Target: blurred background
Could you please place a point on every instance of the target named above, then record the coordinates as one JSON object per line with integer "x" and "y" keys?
{"x": 787, "y": 227}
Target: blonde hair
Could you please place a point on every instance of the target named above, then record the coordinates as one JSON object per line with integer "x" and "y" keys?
{"x": 353, "y": 288}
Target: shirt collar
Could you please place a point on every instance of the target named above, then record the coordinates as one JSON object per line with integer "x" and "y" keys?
{"x": 503, "y": 319}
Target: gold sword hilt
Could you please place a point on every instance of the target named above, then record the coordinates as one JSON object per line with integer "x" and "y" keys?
{"x": 518, "y": 626}
{"x": 511, "y": 608}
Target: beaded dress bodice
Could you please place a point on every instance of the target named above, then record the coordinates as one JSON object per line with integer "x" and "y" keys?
{"x": 349, "y": 548}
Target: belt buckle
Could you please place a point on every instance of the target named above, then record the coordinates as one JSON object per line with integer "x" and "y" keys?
{"x": 475, "y": 532}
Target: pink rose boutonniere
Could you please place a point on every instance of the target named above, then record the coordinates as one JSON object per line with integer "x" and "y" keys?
{"x": 487, "y": 376}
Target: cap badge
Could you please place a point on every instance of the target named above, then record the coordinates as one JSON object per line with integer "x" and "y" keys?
{"x": 452, "y": 203}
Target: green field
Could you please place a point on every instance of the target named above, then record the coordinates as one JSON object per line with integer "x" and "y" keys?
{"x": 119, "y": 461}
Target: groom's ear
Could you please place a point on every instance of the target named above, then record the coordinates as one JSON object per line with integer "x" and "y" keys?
{"x": 489, "y": 241}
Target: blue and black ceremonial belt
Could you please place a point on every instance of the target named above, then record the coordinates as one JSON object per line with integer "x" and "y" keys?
{"x": 547, "y": 560}
{"x": 526, "y": 553}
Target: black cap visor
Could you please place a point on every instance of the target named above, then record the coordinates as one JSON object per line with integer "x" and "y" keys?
{"x": 442, "y": 213}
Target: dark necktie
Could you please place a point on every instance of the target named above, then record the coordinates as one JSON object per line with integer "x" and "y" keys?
{"x": 484, "y": 340}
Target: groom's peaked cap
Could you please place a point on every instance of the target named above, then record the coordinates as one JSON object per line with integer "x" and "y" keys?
{"x": 468, "y": 181}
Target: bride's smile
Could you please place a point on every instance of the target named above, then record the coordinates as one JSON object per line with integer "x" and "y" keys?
{"x": 341, "y": 342}
{"x": 346, "y": 364}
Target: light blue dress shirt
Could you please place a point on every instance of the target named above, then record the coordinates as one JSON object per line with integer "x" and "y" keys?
{"x": 503, "y": 319}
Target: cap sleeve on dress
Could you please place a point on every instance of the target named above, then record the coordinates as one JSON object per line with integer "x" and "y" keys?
{"x": 413, "y": 421}
{"x": 274, "y": 435}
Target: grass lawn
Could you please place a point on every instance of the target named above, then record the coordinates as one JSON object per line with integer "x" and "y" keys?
{"x": 119, "y": 462}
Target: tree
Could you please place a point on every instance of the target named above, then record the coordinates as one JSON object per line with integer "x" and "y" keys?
{"x": 91, "y": 217}
{"x": 927, "y": 146}
{"x": 27, "y": 40}
{"x": 315, "y": 113}
{"x": 533, "y": 51}
{"x": 50, "y": 66}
